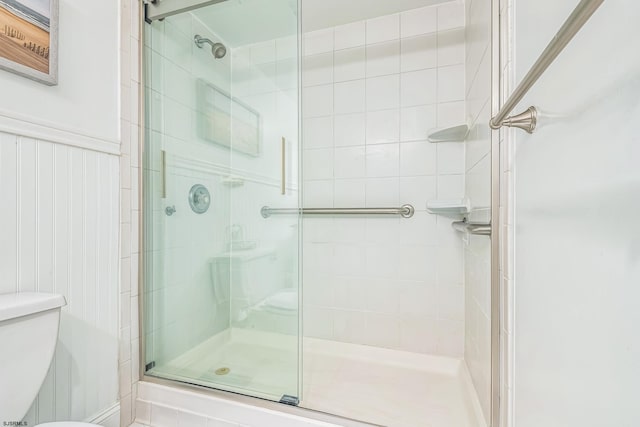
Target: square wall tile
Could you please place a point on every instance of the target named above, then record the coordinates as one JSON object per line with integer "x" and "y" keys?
{"x": 317, "y": 69}
{"x": 350, "y": 162}
{"x": 418, "y": 53}
{"x": 320, "y": 41}
{"x": 450, "y": 186}
{"x": 383, "y": 160}
{"x": 451, "y": 47}
{"x": 383, "y": 29}
{"x": 383, "y": 126}
{"x": 451, "y": 83}
{"x": 419, "y": 21}
{"x": 419, "y": 334}
{"x": 318, "y": 194}
{"x": 422, "y": 228}
{"x": 417, "y": 190}
{"x": 418, "y": 299}
{"x": 318, "y": 164}
{"x": 382, "y": 192}
{"x": 350, "y": 35}
{"x": 383, "y": 58}
{"x": 349, "y": 129}
{"x": 451, "y": 114}
{"x": 382, "y": 230}
{"x": 451, "y": 158}
{"x": 317, "y": 101}
{"x": 418, "y": 158}
{"x": 349, "y": 193}
{"x": 417, "y": 122}
{"x": 383, "y": 330}
{"x": 451, "y": 15}
{"x": 383, "y": 93}
{"x": 418, "y": 88}
{"x": 350, "y": 64}
{"x": 350, "y": 97}
{"x": 318, "y": 132}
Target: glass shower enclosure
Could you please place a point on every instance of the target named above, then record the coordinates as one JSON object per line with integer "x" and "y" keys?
{"x": 221, "y": 282}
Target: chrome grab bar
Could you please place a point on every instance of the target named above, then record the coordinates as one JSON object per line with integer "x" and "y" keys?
{"x": 476, "y": 228}
{"x": 528, "y": 119}
{"x": 406, "y": 211}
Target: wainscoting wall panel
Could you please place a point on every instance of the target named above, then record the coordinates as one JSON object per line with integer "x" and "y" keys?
{"x": 59, "y": 227}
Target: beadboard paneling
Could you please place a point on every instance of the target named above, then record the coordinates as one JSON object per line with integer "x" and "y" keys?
{"x": 60, "y": 234}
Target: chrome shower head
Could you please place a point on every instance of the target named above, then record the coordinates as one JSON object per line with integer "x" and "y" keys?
{"x": 218, "y": 50}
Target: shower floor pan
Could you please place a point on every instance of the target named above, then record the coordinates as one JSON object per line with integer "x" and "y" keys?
{"x": 379, "y": 386}
{"x": 388, "y": 387}
{"x": 251, "y": 362}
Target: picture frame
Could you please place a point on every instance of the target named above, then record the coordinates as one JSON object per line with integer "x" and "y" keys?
{"x": 29, "y": 39}
{"x": 227, "y": 121}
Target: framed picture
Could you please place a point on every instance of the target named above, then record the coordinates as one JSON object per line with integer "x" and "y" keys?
{"x": 29, "y": 39}
{"x": 228, "y": 121}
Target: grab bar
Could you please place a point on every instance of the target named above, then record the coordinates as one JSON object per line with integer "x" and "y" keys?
{"x": 406, "y": 211}
{"x": 528, "y": 119}
{"x": 476, "y": 228}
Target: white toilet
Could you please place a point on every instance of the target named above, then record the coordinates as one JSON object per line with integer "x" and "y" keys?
{"x": 29, "y": 324}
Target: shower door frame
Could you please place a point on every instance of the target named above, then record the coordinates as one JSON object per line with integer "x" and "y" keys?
{"x": 142, "y": 118}
{"x": 496, "y": 221}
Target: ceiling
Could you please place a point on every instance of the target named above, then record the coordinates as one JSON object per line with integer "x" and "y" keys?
{"x": 240, "y": 22}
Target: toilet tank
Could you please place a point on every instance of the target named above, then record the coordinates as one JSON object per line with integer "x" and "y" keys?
{"x": 245, "y": 277}
{"x": 28, "y": 334}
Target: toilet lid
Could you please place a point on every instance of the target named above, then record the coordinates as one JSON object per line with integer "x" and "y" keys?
{"x": 67, "y": 424}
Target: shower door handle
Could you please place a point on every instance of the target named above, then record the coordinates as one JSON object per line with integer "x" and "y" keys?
{"x": 283, "y": 168}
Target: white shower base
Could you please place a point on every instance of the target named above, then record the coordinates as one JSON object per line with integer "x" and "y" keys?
{"x": 379, "y": 386}
{"x": 388, "y": 387}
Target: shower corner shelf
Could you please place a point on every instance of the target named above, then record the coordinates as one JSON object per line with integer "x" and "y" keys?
{"x": 449, "y": 206}
{"x": 233, "y": 181}
{"x": 450, "y": 134}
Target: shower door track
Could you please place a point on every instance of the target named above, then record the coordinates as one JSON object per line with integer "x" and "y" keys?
{"x": 156, "y": 9}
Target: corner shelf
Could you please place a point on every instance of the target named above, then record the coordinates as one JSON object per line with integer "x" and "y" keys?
{"x": 449, "y": 206}
{"x": 451, "y": 134}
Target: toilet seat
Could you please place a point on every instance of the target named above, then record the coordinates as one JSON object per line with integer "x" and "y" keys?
{"x": 284, "y": 302}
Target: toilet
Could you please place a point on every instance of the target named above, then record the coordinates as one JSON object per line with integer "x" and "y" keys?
{"x": 29, "y": 324}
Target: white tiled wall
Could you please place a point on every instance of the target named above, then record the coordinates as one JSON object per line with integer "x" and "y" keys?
{"x": 372, "y": 91}
{"x": 129, "y": 207}
{"x": 478, "y": 189}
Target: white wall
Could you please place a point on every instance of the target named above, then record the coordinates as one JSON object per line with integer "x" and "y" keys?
{"x": 477, "y": 251}
{"x": 571, "y": 293}
{"x": 85, "y": 101}
{"x": 372, "y": 91}
{"x": 59, "y": 173}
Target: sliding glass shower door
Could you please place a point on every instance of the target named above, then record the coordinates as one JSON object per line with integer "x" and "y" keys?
{"x": 220, "y": 280}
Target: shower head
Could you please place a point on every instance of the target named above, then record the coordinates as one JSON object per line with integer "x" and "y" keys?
{"x": 218, "y": 50}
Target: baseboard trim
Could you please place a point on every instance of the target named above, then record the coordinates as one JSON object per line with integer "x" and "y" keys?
{"x": 110, "y": 417}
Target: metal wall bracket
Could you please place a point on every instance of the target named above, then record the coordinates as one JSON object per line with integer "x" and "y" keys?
{"x": 526, "y": 121}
